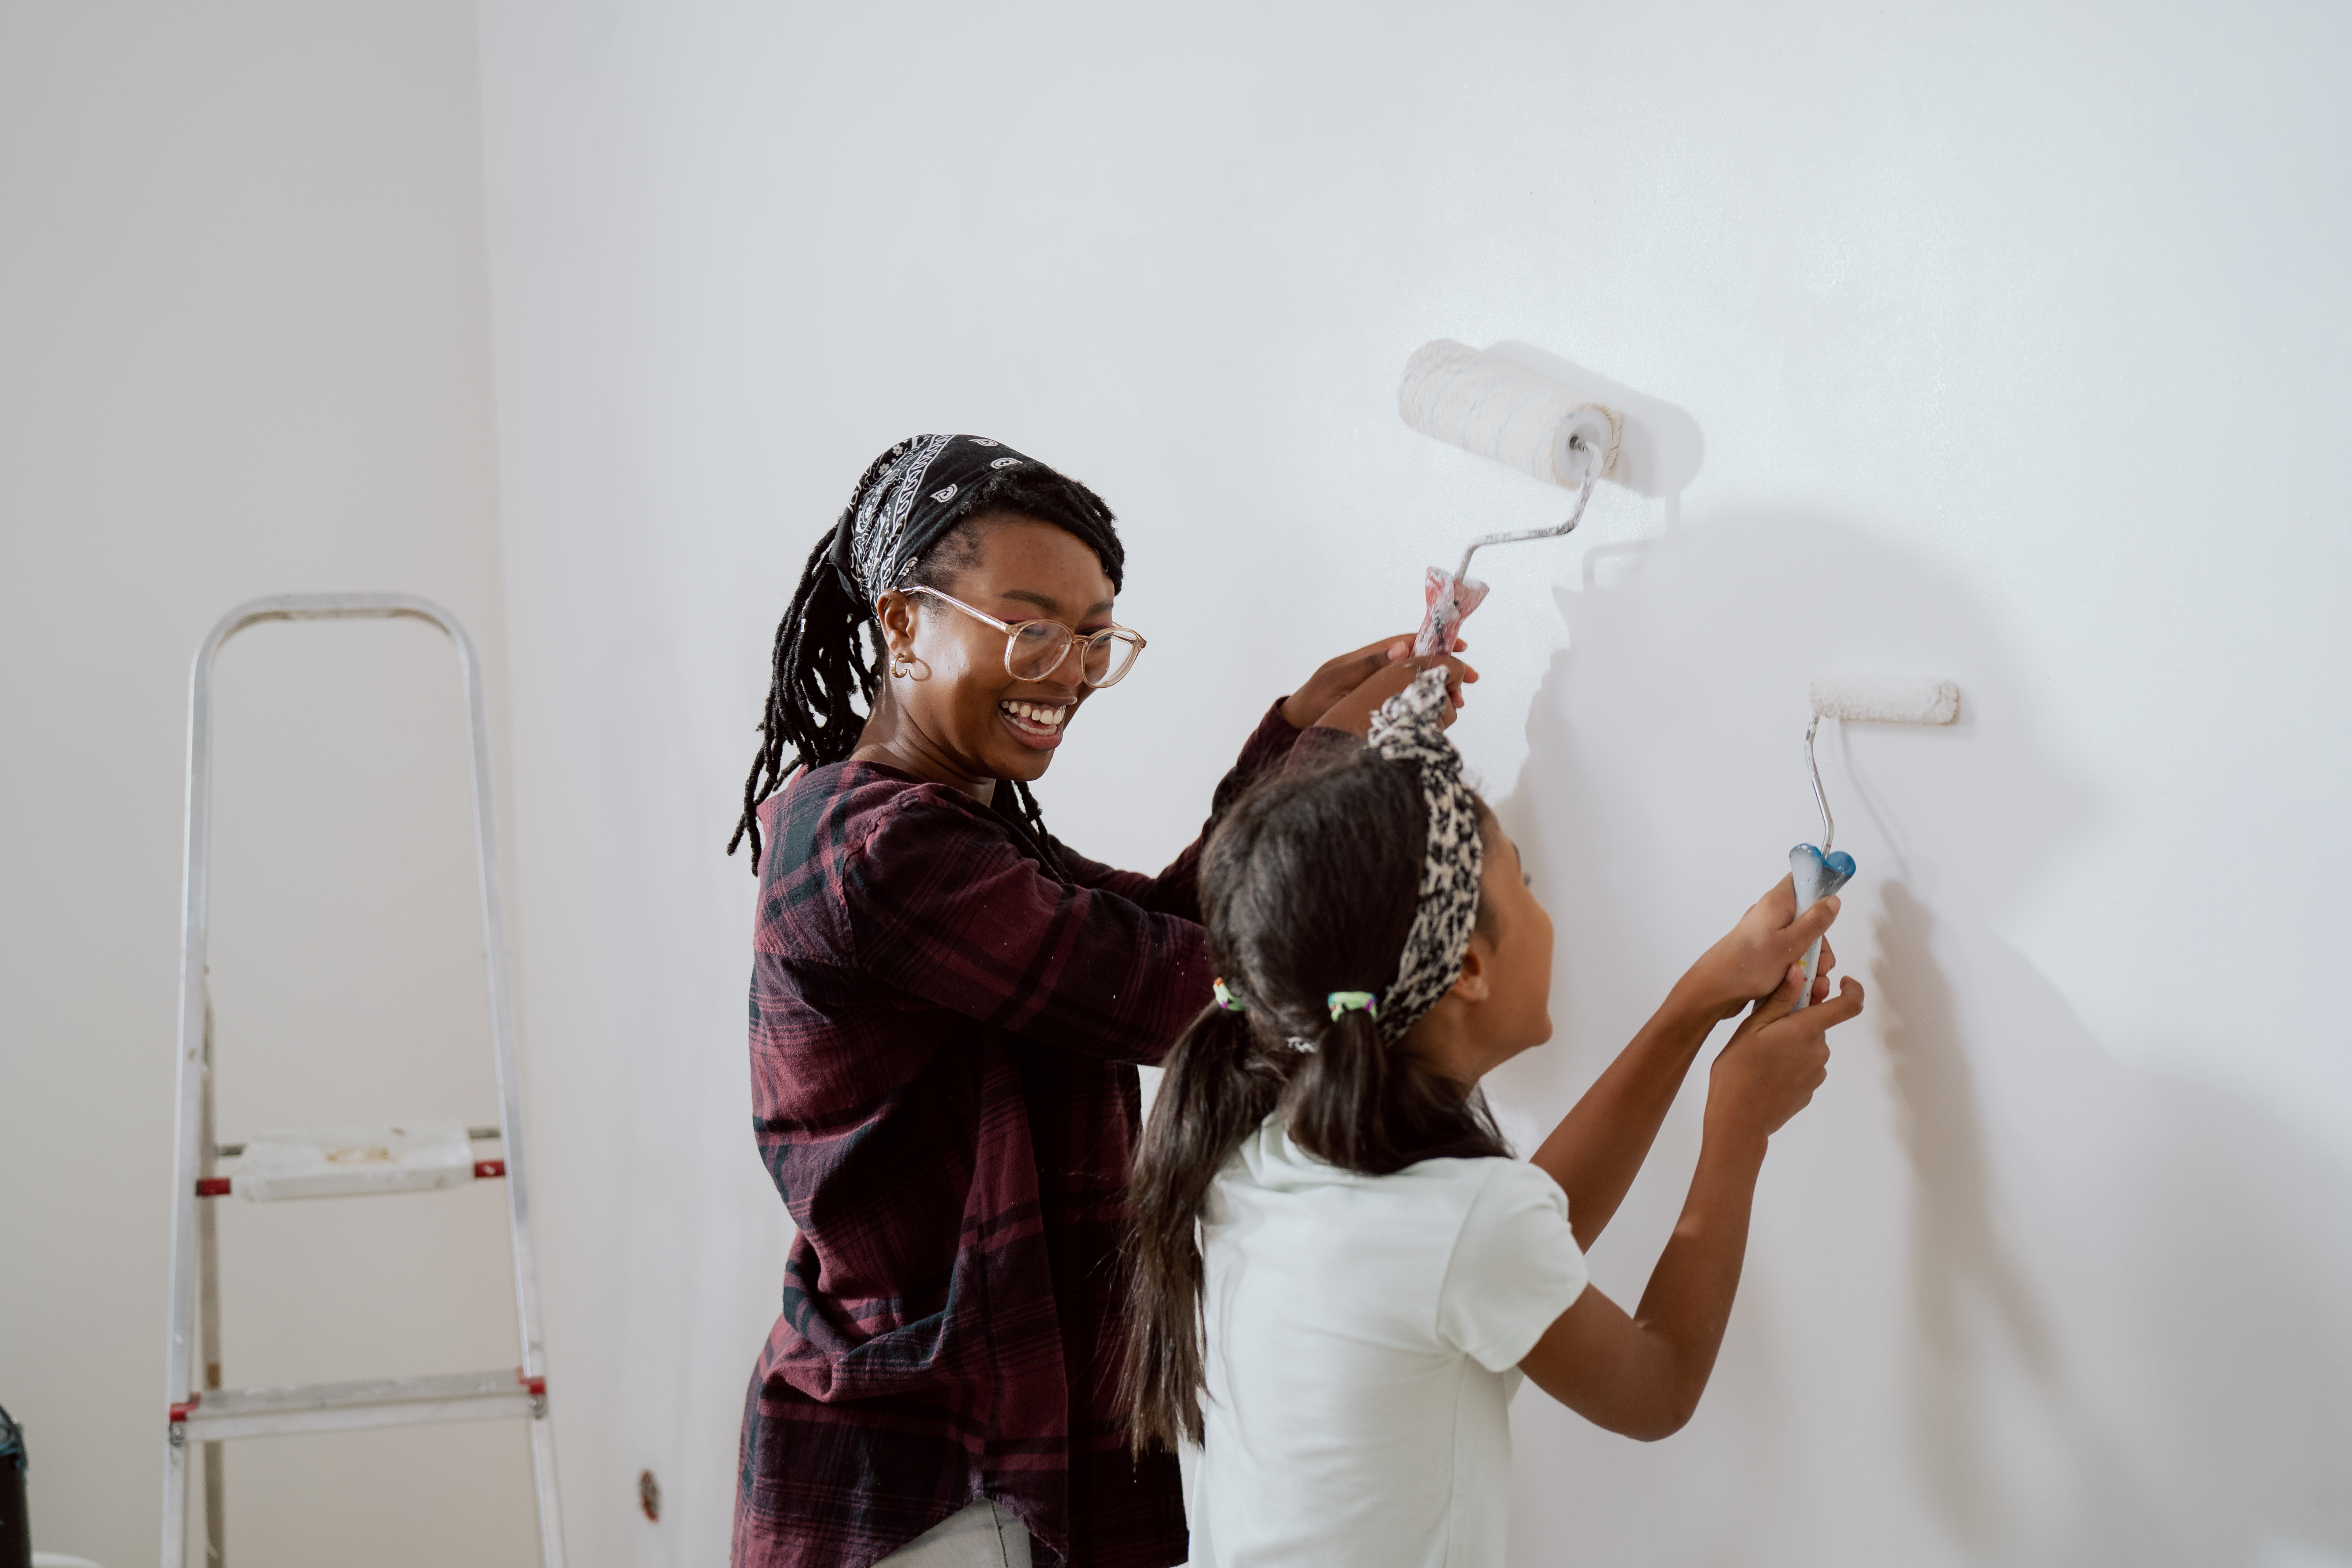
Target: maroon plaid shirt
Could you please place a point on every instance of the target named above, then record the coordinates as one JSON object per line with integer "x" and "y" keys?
{"x": 943, "y": 1087}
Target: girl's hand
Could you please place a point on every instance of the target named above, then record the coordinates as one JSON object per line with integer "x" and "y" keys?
{"x": 1776, "y": 1059}
{"x": 1750, "y": 960}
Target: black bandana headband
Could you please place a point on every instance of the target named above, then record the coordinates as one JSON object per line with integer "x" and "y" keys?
{"x": 905, "y": 512}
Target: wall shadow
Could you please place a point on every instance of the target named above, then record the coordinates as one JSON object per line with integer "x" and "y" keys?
{"x": 2013, "y": 1297}
{"x": 2157, "y": 1276}
{"x": 1958, "y": 1256}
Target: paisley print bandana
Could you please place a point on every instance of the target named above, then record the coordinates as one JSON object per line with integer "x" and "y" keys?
{"x": 1407, "y": 730}
{"x": 905, "y": 512}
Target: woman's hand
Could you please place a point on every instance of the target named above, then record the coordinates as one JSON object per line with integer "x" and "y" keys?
{"x": 1346, "y": 691}
{"x": 1750, "y": 960}
{"x": 1339, "y": 677}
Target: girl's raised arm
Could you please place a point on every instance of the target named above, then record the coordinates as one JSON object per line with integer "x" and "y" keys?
{"x": 1642, "y": 1376}
{"x": 1598, "y": 1146}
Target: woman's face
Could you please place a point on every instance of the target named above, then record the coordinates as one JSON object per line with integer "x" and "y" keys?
{"x": 968, "y": 714}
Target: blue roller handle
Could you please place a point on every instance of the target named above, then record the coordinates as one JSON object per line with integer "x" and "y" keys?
{"x": 1817, "y": 877}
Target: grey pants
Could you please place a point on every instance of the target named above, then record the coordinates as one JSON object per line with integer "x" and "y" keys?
{"x": 977, "y": 1536}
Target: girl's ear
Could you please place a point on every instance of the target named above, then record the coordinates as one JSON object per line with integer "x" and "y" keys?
{"x": 1475, "y": 983}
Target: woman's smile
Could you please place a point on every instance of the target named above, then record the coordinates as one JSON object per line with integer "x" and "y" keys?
{"x": 1038, "y": 724}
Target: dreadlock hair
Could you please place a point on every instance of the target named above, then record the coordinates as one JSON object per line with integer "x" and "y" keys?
{"x": 1307, "y": 887}
{"x": 821, "y": 670}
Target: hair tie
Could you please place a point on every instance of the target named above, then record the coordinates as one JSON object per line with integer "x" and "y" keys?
{"x": 1350, "y": 1001}
{"x": 1227, "y": 1000}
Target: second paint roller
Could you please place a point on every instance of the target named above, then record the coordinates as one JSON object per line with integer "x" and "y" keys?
{"x": 1820, "y": 871}
{"x": 1496, "y": 407}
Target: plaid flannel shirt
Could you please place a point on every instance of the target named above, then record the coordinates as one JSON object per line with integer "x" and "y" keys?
{"x": 944, "y": 1043}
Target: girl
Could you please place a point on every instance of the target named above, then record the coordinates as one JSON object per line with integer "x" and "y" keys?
{"x": 1372, "y": 1269}
{"x": 946, "y": 1007}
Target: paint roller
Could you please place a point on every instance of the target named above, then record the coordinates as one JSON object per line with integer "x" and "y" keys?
{"x": 1820, "y": 871}
{"x": 1496, "y": 407}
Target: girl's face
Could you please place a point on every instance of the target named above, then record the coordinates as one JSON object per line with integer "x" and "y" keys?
{"x": 1501, "y": 1005}
{"x": 968, "y": 716}
{"x": 1517, "y": 937}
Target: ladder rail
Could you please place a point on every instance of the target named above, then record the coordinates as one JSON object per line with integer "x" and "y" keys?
{"x": 208, "y": 1310}
{"x": 192, "y": 1134}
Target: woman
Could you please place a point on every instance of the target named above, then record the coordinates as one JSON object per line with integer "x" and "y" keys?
{"x": 948, "y": 1006}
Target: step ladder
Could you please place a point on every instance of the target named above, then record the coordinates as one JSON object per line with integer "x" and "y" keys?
{"x": 334, "y": 1162}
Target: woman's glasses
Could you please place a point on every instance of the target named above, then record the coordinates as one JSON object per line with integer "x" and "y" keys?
{"x": 1035, "y": 649}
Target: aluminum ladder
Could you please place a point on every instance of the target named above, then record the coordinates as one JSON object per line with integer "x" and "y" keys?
{"x": 402, "y": 1159}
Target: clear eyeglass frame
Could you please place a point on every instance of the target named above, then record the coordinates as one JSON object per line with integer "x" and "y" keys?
{"x": 1035, "y": 649}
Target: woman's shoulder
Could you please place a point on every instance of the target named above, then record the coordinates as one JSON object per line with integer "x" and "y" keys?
{"x": 836, "y": 835}
{"x": 855, "y": 784}
{"x": 847, "y": 802}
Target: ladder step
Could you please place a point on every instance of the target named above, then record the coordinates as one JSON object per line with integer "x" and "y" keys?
{"x": 222, "y": 1413}
{"x": 353, "y": 1161}
{"x": 478, "y": 1134}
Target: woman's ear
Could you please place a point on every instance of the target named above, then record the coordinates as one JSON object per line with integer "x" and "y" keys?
{"x": 895, "y": 612}
{"x": 1475, "y": 983}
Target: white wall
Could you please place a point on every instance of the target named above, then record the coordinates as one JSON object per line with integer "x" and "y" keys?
{"x": 243, "y": 350}
{"x": 2017, "y": 340}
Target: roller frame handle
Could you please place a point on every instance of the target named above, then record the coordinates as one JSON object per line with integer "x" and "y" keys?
{"x": 1816, "y": 877}
{"x": 1447, "y": 594}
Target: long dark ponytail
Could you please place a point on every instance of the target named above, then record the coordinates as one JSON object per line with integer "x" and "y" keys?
{"x": 1307, "y": 887}
{"x": 822, "y": 669}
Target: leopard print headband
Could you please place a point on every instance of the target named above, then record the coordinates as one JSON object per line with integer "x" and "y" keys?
{"x": 1408, "y": 729}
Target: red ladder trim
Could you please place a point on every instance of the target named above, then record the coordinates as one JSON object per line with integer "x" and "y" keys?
{"x": 218, "y": 1186}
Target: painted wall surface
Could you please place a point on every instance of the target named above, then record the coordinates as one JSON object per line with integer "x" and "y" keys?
{"x": 243, "y": 350}
{"x": 2016, "y": 341}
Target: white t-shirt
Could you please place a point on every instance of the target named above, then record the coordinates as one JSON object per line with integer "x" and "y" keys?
{"x": 1364, "y": 1335}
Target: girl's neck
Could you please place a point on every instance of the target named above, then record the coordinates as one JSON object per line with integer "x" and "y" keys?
{"x": 1448, "y": 1042}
